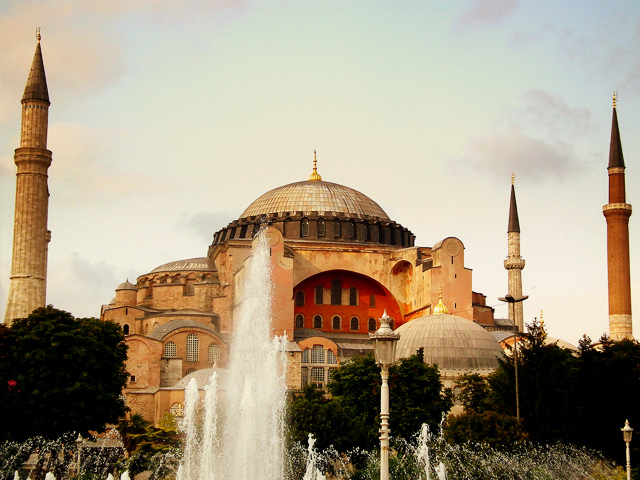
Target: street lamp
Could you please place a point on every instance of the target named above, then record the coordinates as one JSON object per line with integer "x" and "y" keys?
{"x": 512, "y": 301}
{"x": 627, "y": 431}
{"x": 384, "y": 347}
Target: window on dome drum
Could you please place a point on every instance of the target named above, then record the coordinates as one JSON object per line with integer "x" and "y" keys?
{"x": 304, "y": 227}
{"x": 190, "y": 371}
{"x": 322, "y": 228}
{"x": 336, "y": 292}
{"x": 193, "y": 348}
{"x": 355, "y": 324}
{"x": 125, "y": 329}
{"x": 367, "y": 232}
{"x": 372, "y": 324}
{"x": 352, "y": 230}
{"x": 243, "y": 231}
{"x": 299, "y": 321}
{"x": 317, "y": 321}
{"x": 299, "y": 298}
{"x": 336, "y": 229}
{"x": 213, "y": 353}
{"x": 353, "y": 296}
{"x": 189, "y": 289}
{"x": 372, "y": 300}
{"x": 170, "y": 350}
{"x": 336, "y": 323}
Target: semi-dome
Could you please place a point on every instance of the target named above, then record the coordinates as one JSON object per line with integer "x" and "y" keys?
{"x": 453, "y": 343}
{"x": 315, "y": 196}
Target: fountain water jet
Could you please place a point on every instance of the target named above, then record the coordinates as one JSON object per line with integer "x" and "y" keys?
{"x": 251, "y": 443}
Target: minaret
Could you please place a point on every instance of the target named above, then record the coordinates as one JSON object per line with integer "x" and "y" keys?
{"x": 514, "y": 262}
{"x": 617, "y": 213}
{"x": 27, "y": 290}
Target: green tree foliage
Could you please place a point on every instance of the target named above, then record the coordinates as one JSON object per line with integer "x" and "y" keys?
{"x": 152, "y": 446}
{"x": 60, "y": 374}
{"x": 349, "y": 417}
{"x": 491, "y": 428}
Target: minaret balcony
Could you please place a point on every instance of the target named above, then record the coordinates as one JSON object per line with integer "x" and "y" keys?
{"x": 617, "y": 206}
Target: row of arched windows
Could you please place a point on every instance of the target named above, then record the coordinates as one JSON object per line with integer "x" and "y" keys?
{"x": 193, "y": 350}
{"x": 336, "y": 323}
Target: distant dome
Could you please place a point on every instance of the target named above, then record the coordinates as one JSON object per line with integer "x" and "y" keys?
{"x": 200, "y": 263}
{"x": 315, "y": 196}
{"x": 126, "y": 286}
{"x": 453, "y": 343}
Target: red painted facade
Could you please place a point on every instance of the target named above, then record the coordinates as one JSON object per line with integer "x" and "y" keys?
{"x": 369, "y": 300}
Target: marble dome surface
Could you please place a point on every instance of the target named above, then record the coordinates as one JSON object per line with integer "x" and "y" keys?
{"x": 453, "y": 343}
{"x": 315, "y": 196}
{"x": 200, "y": 263}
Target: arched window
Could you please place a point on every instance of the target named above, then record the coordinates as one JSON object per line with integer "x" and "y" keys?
{"x": 317, "y": 321}
{"x": 322, "y": 228}
{"x": 372, "y": 324}
{"x": 317, "y": 366}
{"x": 319, "y": 295}
{"x": 367, "y": 232}
{"x": 352, "y": 229}
{"x": 213, "y": 353}
{"x": 317, "y": 354}
{"x": 170, "y": 350}
{"x": 336, "y": 292}
{"x": 299, "y": 321}
{"x": 353, "y": 296}
{"x": 125, "y": 329}
{"x": 299, "y": 298}
{"x": 193, "y": 348}
{"x": 336, "y": 229}
{"x": 355, "y": 324}
{"x": 304, "y": 227}
{"x": 335, "y": 323}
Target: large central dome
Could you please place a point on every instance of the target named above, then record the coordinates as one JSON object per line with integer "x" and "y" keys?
{"x": 315, "y": 196}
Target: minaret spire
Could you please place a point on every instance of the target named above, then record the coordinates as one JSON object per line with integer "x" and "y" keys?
{"x": 514, "y": 262}
{"x": 27, "y": 290}
{"x": 617, "y": 213}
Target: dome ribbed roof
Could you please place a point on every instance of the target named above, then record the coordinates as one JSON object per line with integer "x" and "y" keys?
{"x": 315, "y": 196}
{"x": 451, "y": 342}
{"x": 200, "y": 263}
{"x": 126, "y": 286}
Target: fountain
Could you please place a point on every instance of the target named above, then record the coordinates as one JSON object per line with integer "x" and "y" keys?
{"x": 249, "y": 420}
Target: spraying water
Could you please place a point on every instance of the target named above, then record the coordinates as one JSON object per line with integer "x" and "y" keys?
{"x": 250, "y": 444}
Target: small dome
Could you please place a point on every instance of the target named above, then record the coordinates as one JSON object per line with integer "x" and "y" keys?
{"x": 126, "y": 286}
{"x": 451, "y": 342}
{"x": 201, "y": 263}
{"x": 315, "y": 196}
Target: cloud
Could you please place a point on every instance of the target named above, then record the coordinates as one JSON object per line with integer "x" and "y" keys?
{"x": 205, "y": 224}
{"x": 487, "y": 12}
{"x": 500, "y": 153}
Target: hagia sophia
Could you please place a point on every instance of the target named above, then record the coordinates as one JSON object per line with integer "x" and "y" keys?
{"x": 338, "y": 263}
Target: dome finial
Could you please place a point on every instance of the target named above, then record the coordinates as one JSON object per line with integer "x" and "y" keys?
{"x": 513, "y": 178}
{"x": 615, "y": 99}
{"x": 315, "y": 176}
{"x": 38, "y": 36}
{"x": 440, "y": 307}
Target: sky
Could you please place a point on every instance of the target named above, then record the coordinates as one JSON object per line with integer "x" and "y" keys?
{"x": 169, "y": 118}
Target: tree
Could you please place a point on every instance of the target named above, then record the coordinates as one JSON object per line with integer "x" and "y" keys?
{"x": 416, "y": 396}
{"x": 494, "y": 429}
{"x": 61, "y": 374}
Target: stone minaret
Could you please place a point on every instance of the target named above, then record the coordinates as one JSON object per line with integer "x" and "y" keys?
{"x": 514, "y": 263}
{"x": 617, "y": 213}
{"x": 27, "y": 290}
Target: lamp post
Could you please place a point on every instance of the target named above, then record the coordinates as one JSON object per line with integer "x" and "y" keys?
{"x": 627, "y": 431}
{"x": 512, "y": 301}
{"x": 384, "y": 347}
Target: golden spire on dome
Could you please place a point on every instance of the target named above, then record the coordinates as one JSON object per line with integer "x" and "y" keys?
{"x": 440, "y": 307}
{"x": 315, "y": 176}
{"x": 38, "y": 36}
{"x": 615, "y": 99}
{"x": 513, "y": 178}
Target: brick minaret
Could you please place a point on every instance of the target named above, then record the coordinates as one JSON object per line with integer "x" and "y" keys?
{"x": 514, "y": 262}
{"x": 617, "y": 213}
{"x": 27, "y": 290}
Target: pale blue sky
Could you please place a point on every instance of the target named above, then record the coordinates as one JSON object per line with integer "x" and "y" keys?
{"x": 169, "y": 118}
